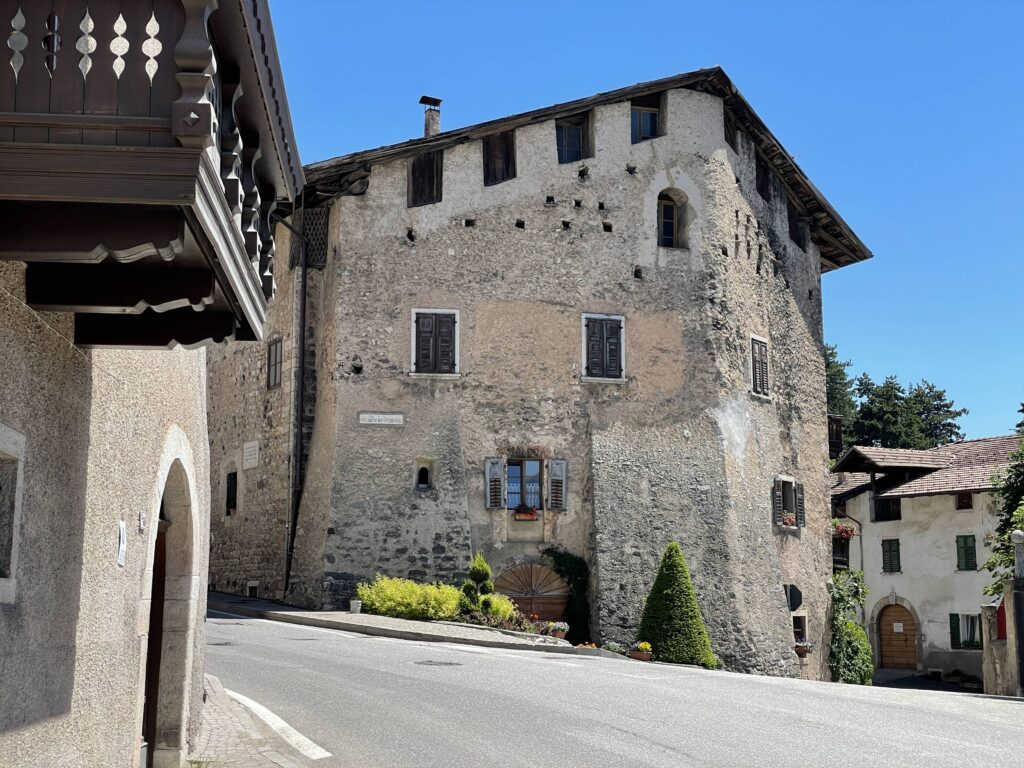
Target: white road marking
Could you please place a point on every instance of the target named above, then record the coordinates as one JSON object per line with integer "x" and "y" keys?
{"x": 285, "y": 731}
{"x": 638, "y": 677}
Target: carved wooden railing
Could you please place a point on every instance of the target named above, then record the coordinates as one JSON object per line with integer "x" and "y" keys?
{"x": 135, "y": 73}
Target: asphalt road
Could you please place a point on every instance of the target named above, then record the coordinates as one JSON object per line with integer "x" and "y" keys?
{"x": 399, "y": 704}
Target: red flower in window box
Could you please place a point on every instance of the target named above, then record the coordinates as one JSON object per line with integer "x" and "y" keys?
{"x": 843, "y": 530}
{"x": 523, "y": 512}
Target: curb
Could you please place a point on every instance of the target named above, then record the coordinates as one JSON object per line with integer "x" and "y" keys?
{"x": 396, "y": 634}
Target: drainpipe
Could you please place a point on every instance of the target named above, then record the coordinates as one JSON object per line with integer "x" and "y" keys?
{"x": 300, "y": 386}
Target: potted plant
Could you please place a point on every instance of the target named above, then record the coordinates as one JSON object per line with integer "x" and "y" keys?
{"x": 524, "y": 512}
{"x": 842, "y": 530}
{"x": 789, "y": 520}
{"x": 803, "y": 647}
{"x": 557, "y": 629}
{"x": 614, "y": 647}
{"x": 355, "y": 606}
{"x": 641, "y": 651}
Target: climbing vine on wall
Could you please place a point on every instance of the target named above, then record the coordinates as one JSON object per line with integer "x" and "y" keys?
{"x": 576, "y": 573}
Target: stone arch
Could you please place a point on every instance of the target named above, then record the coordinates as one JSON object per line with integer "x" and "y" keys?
{"x": 673, "y": 218}
{"x": 171, "y": 587}
{"x": 536, "y": 589}
{"x": 677, "y": 182}
{"x": 873, "y": 629}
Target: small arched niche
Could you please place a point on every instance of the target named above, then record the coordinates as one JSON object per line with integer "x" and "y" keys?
{"x": 673, "y": 218}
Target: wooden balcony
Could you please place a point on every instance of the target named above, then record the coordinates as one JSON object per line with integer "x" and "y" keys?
{"x": 144, "y": 145}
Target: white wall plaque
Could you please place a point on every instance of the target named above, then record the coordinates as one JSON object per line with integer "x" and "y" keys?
{"x": 122, "y": 543}
{"x": 251, "y": 455}
{"x": 897, "y": 627}
{"x": 382, "y": 419}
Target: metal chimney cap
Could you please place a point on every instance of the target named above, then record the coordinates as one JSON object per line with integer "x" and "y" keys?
{"x": 430, "y": 101}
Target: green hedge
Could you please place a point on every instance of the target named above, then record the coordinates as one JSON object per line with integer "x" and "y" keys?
{"x": 404, "y": 599}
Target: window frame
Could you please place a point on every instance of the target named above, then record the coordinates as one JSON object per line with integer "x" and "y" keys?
{"x": 899, "y": 556}
{"x": 796, "y": 228}
{"x": 457, "y": 373}
{"x": 275, "y": 366}
{"x": 12, "y": 448}
{"x": 582, "y": 121}
{"x": 791, "y": 503}
{"x": 521, "y": 461}
{"x": 766, "y": 388}
{"x": 763, "y": 180}
{"x": 889, "y": 516}
{"x": 960, "y": 506}
{"x": 585, "y": 376}
{"x": 678, "y": 221}
{"x": 962, "y": 619}
{"x": 652, "y": 103}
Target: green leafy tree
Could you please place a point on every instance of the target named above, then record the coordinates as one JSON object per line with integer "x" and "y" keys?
{"x": 884, "y": 417}
{"x": 1010, "y": 498}
{"x": 936, "y": 413}
{"x": 849, "y": 656}
{"x": 671, "y": 621}
{"x": 838, "y": 385}
{"x": 1020, "y": 424}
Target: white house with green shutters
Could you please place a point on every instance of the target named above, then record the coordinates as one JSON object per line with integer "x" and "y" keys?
{"x": 923, "y": 519}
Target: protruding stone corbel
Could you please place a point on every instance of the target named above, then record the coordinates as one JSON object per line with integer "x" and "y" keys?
{"x": 252, "y": 203}
{"x": 231, "y": 148}
{"x": 193, "y": 118}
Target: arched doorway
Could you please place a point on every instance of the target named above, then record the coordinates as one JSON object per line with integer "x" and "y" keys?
{"x": 536, "y": 589}
{"x": 167, "y": 670}
{"x": 897, "y": 637}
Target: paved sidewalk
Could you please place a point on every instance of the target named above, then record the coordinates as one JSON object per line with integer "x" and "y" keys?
{"x": 384, "y": 626}
{"x": 232, "y": 738}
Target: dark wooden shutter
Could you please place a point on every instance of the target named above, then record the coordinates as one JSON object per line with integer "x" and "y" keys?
{"x": 494, "y": 472}
{"x": 445, "y": 340}
{"x": 426, "y": 326}
{"x": 508, "y": 158}
{"x": 755, "y": 366}
{"x": 499, "y": 157}
{"x": 613, "y": 349}
{"x": 778, "y": 504}
{"x": 801, "y": 517}
{"x": 556, "y": 475}
{"x": 954, "y": 630}
{"x": 425, "y": 178}
{"x": 595, "y": 347}
{"x": 765, "y": 385}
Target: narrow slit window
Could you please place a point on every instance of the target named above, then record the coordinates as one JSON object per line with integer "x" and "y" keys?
{"x": 231, "y": 494}
{"x": 671, "y": 219}
{"x": 274, "y": 354}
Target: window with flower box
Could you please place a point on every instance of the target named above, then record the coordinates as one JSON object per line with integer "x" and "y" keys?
{"x": 788, "y": 510}
{"x": 526, "y": 486}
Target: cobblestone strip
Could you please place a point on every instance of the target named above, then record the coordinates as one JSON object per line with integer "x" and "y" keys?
{"x": 232, "y": 738}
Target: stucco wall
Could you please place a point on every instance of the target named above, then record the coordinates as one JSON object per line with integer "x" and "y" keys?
{"x": 679, "y": 450}
{"x": 929, "y": 581}
{"x": 102, "y": 429}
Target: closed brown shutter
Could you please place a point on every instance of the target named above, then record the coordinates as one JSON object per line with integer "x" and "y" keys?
{"x": 801, "y": 516}
{"x": 426, "y": 362}
{"x": 499, "y": 156}
{"x": 445, "y": 335}
{"x": 777, "y": 503}
{"x": 595, "y": 347}
{"x": 425, "y": 178}
{"x": 759, "y": 367}
{"x": 613, "y": 349}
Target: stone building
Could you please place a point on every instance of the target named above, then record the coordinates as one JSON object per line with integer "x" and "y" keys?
{"x": 595, "y": 326}
{"x": 136, "y": 190}
{"x": 923, "y": 521}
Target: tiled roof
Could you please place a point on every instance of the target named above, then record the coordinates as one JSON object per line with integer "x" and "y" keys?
{"x": 974, "y": 463}
{"x": 862, "y": 457}
{"x": 850, "y": 484}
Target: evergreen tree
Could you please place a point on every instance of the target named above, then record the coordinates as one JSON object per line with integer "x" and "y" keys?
{"x": 1020, "y": 424}
{"x": 1010, "y": 496}
{"x": 936, "y": 413}
{"x": 671, "y": 620}
{"x": 838, "y": 385}
{"x": 884, "y": 417}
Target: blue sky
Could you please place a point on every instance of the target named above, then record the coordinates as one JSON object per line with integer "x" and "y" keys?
{"x": 907, "y": 115}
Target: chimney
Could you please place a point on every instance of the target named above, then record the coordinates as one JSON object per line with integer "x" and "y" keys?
{"x": 431, "y": 115}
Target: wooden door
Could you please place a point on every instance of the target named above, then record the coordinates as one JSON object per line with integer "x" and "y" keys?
{"x": 536, "y": 589}
{"x": 897, "y": 638}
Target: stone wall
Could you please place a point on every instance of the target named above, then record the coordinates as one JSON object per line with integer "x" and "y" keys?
{"x": 999, "y": 657}
{"x": 103, "y": 431}
{"x": 249, "y": 546}
{"x": 678, "y": 450}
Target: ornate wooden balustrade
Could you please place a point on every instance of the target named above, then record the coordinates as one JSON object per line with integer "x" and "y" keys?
{"x": 143, "y": 146}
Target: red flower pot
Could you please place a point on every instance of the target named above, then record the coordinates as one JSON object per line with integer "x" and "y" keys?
{"x": 641, "y": 655}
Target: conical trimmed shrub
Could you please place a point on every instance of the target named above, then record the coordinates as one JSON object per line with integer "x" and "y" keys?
{"x": 671, "y": 621}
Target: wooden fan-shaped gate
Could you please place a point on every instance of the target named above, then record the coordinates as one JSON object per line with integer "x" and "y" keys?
{"x": 535, "y": 589}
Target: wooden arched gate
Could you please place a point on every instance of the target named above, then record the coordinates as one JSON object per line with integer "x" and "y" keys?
{"x": 536, "y": 589}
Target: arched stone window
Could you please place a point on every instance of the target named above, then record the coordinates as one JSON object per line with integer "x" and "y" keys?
{"x": 672, "y": 219}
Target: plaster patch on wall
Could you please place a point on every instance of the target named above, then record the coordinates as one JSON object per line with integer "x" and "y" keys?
{"x": 734, "y": 423}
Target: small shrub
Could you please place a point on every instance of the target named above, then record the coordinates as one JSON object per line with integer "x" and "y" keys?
{"x": 500, "y": 607}
{"x": 671, "y": 620}
{"x": 405, "y": 599}
{"x": 614, "y": 647}
{"x": 479, "y": 570}
{"x": 849, "y": 659}
{"x": 487, "y": 587}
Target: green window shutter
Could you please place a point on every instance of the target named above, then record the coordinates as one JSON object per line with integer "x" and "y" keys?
{"x": 966, "y": 553}
{"x": 972, "y": 553}
{"x": 891, "y": 555}
{"x": 954, "y": 630}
